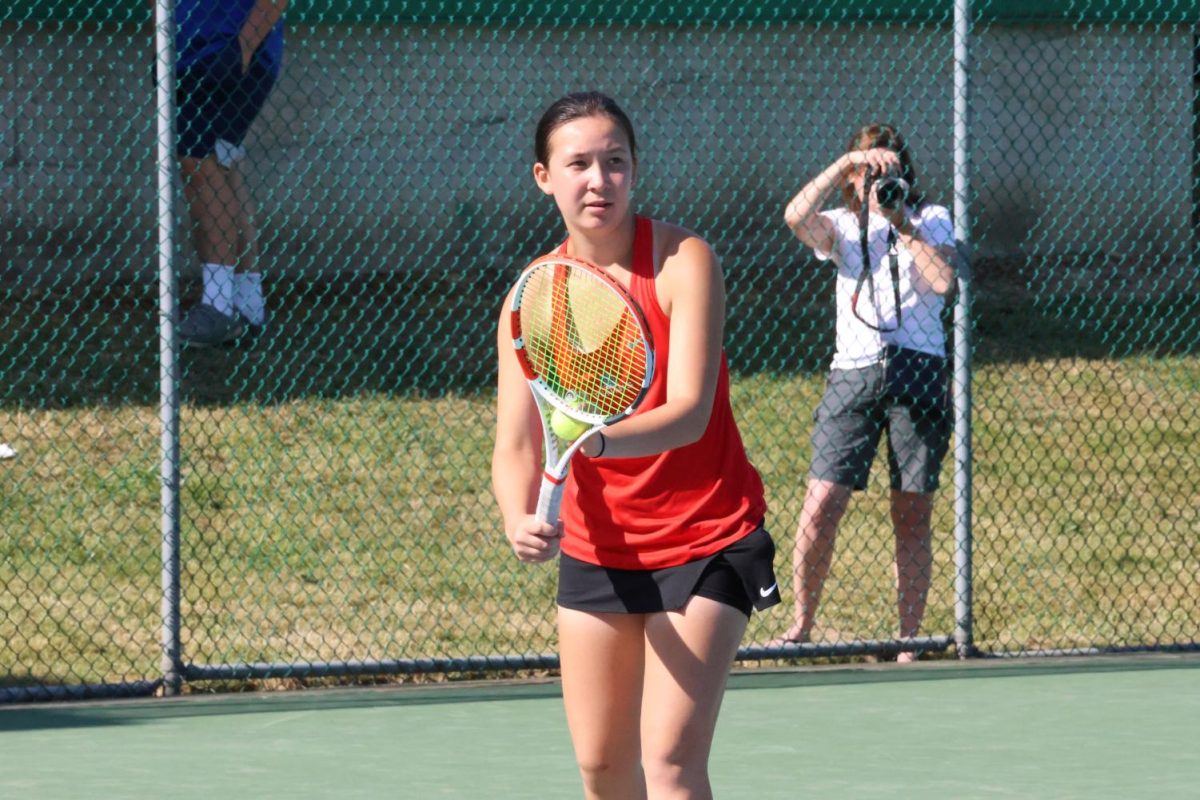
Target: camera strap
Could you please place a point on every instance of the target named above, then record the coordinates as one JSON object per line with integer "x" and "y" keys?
{"x": 866, "y": 274}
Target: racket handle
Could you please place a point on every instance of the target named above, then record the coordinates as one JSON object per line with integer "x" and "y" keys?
{"x": 549, "y": 500}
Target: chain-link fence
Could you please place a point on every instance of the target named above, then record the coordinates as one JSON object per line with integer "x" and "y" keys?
{"x": 331, "y": 498}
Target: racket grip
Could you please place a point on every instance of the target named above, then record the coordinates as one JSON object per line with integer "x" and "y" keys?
{"x": 549, "y": 500}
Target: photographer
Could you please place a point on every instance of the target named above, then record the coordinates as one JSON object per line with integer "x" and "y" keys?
{"x": 889, "y": 366}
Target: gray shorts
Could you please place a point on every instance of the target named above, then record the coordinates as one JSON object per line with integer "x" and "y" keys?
{"x": 904, "y": 393}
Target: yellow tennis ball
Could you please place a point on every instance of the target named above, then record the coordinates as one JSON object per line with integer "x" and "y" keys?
{"x": 566, "y": 427}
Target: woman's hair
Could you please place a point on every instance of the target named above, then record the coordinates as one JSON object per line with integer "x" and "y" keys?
{"x": 578, "y": 106}
{"x": 880, "y": 134}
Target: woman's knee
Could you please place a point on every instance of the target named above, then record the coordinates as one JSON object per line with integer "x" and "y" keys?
{"x": 680, "y": 767}
{"x": 824, "y": 505}
{"x": 606, "y": 774}
{"x": 912, "y": 513}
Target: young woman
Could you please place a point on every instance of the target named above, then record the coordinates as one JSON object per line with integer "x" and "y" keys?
{"x": 888, "y": 368}
{"x": 663, "y": 553}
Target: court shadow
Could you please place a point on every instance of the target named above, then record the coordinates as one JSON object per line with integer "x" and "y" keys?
{"x": 946, "y": 669}
{"x": 85, "y": 714}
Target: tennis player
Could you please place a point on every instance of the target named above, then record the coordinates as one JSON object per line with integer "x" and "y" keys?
{"x": 889, "y": 365}
{"x": 663, "y": 550}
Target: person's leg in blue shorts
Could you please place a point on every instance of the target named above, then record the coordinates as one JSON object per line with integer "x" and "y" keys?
{"x": 216, "y": 104}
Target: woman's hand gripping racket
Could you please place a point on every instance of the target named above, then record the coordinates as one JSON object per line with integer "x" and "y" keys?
{"x": 585, "y": 349}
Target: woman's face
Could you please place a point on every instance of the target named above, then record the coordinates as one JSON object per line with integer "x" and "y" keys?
{"x": 590, "y": 173}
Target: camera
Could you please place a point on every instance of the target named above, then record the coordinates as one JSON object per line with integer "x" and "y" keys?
{"x": 890, "y": 191}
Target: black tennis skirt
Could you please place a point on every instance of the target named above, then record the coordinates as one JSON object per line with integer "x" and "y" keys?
{"x": 742, "y": 575}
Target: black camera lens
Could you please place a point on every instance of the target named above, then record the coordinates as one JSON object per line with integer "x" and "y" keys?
{"x": 890, "y": 192}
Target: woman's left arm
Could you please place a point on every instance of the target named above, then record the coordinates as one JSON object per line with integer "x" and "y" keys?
{"x": 694, "y": 290}
{"x": 691, "y": 290}
{"x": 935, "y": 263}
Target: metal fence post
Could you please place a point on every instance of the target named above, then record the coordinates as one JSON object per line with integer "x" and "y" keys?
{"x": 1196, "y": 147}
{"x": 963, "y": 633}
{"x": 164, "y": 41}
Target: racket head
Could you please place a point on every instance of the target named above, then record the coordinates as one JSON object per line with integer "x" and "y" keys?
{"x": 581, "y": 340}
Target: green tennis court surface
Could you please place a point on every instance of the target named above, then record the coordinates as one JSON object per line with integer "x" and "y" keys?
{"x": 1080, "y": 728}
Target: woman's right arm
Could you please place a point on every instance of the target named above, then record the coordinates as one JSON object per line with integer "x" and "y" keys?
{"x": 802, "y": 213}
{"x": 517, "y": 456}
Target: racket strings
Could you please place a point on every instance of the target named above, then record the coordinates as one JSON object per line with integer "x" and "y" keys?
{"x": 583, "y": 340}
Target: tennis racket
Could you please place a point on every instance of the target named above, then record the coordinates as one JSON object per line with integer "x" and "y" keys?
{"x": 585, "y": 349}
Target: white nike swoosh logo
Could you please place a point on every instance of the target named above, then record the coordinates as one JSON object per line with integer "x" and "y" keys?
{"x": 767, "y": 591}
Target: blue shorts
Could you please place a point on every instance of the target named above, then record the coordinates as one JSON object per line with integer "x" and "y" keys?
{"x": 215, "y": 100}
{"x": 905, "y": 393}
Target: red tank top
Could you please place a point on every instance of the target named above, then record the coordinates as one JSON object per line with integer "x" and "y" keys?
{"x": 667, "y": 509}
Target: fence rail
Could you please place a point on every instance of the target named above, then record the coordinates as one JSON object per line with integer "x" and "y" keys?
{"x": 627, "y": 12}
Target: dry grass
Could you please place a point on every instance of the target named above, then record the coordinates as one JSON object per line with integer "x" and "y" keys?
{"x": 363, "y": 528}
